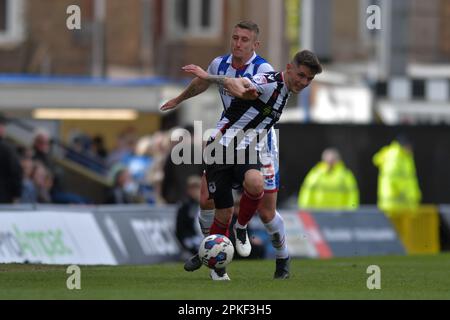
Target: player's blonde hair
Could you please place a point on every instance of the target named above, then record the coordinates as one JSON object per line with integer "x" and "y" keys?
{"x": 249, "y": 25}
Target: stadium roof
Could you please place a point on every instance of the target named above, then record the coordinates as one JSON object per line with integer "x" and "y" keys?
{"x": 82, "y": 80}
{"x": 28, "y": 92}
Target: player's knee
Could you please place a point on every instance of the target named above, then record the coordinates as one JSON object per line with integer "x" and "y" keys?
{"x": 254, "y": 182}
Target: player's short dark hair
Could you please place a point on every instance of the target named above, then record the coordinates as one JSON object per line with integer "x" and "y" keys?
{"x": 249, "y": 25}
{"x": 309, "y": 59}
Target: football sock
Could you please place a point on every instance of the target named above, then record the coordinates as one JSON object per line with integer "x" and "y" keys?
{"x": 247, "y": 207}
{"x": 219, "y": 228}
{"x": 278, "y": 236}
{"x": 206, "y": 219}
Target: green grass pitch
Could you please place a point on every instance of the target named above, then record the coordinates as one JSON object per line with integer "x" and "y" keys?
{"x": 402, "y": 277}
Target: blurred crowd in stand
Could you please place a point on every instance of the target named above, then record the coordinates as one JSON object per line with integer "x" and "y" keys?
{"x": 138, "y": 169}
{"x": 146, "y": 169}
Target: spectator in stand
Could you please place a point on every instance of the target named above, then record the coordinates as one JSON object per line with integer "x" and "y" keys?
{"x": 160, "y": 152}
{"x": 176, "y": 175}
{"x": 53, "y": 174}
{"x": 140, "y": 161}
{"x": 29, "y": 193}
{"x": 41, "y": 148}
{"x": 42, "y": 153}
{"x": 139, "y": 165}
{"x": 10, "y": 170}
{"x": 43, "y": 181}
{"x": 124, "y": 190}
{"x": 98, "y": 147}
{"x": 80, "y": 151}
{"x": 126, "y": 141}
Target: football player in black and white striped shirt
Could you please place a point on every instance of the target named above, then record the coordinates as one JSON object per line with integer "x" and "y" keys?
{"x": 258, "y": 104}
{"x": 243, "y": 62}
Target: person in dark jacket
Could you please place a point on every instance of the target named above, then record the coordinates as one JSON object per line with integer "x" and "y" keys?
{"x": 10, "y": 169}
{"x": 187, "y": 228}
{"x": 124, "y": 190}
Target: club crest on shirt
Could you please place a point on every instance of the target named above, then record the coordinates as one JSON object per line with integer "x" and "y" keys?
{"x": 260, "y": 79}
{"x": 212, "y": 187}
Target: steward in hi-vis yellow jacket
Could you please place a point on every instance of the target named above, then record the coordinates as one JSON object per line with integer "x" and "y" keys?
{"x": 398, "y": 187}
{"x": 329, "y": 187}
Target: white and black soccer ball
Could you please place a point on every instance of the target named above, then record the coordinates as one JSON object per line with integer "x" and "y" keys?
{"x": 216, "y": 251}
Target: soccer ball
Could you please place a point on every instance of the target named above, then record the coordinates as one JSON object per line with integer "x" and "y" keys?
{"x": 216, "y": 251}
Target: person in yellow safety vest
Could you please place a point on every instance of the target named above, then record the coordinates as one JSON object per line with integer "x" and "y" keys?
{"x": 398, "y": 187}
{"x": 329, "y": 185}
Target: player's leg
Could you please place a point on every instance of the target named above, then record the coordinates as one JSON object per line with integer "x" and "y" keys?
{"x": 253, "y": 192}
{"x": 219, "y": 181}
{"x": 205, "y": 219}
{"x": 206, "y": 214}
{"x": 272, "y": 220}
{"x": 220, "y": 225}
{"x": 274, "y": 224}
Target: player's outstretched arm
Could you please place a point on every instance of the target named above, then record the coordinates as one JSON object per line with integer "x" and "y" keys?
{"x": 196, "y": 87}
{"x": 238, "y": 87}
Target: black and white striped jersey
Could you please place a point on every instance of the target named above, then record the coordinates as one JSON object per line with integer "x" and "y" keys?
{"x": 247, "y": 119}
{"x": 222, "y": 65}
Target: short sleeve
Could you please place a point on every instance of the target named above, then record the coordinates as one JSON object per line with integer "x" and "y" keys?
{"x": 265, "y": 67}
{"x": 214, "y": 66}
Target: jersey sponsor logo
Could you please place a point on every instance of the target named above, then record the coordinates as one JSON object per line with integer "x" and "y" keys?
{"x": 266, "y": 111}
{"x": 275, "y": 114}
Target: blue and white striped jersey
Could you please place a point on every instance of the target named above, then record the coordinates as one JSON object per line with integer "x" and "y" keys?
{"x": 222, "y": 66}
